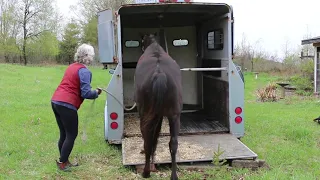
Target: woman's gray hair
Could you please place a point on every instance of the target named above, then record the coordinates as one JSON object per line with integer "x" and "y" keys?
{"x": 84, "y": 54}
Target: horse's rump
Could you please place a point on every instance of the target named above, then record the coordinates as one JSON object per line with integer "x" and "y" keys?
{"x": 147, "y": 69}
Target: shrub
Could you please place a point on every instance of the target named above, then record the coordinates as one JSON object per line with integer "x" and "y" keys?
{"x": 303, "y": 85}
{"x": 267, "y": 93}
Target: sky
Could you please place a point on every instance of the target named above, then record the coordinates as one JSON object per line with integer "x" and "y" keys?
{"x": 271, "y": 22}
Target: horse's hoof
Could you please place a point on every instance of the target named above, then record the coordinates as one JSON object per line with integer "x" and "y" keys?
{"x": 142, "y": 151}
{"x": 146, "y": 175}
{"x": 153, "y": 168}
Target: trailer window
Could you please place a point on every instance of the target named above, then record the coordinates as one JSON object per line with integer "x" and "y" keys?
{"x": 215, "y": 40}
{"x": 180, "y": 42}
{"x": 132, "y": 44}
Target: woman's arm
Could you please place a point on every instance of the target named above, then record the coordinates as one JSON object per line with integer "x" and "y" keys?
{"x": 85, "y": 81}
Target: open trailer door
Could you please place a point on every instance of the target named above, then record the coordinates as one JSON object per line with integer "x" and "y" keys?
{"x": 106, "y": 42}
{"x": 192, "y": 148}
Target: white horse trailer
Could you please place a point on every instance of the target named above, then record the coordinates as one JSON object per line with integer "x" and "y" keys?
{"x": 199, "y": 36}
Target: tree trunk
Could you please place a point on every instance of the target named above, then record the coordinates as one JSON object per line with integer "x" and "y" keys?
{"x": 251, "y": 65}
{"x": 242, "y": 61}
{"x": 26, "y": 11}
{"x": 24, "y": 52}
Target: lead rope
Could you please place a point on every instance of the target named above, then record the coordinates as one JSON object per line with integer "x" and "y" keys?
{"x": 85, "y": 124}
{"x": 134, "y": 105}
{"x": 84, "y": 131}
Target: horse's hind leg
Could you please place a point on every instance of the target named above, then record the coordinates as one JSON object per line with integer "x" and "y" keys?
{"x": 155, "y": 139}
{"x": 146, "y": 170}
{"x": 140, "y": 111}
{"x": 142, "y": 131}
{"x": 174, "y": 123}
{"x": 150, "y": 138}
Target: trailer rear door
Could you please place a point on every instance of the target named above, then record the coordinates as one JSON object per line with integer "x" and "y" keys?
{"x": 106, "y": 36}
{"x": 192, "y": 148}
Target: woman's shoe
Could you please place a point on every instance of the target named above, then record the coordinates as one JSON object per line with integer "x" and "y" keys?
{"x": 71, "y": 165}
{"x": 63, "y": 166}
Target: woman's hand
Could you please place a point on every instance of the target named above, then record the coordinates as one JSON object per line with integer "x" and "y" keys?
{"x": 99, "y": 91}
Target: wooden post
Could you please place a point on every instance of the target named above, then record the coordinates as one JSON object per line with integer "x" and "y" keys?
{"x": 283, "y": 91}
{"x": 315, "y": 70}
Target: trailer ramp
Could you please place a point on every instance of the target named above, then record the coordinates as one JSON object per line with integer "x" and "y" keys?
{"x": 192, "y": 148}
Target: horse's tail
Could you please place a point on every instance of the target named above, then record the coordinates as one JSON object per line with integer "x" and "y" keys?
{"x": 158, "y": 92}
{"x": 159, "y": 89}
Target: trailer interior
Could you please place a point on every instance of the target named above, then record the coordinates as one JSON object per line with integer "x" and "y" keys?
{"x": 196, "y": 36}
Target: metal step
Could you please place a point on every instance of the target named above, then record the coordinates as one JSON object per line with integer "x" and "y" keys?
{"x": 192, "y": 148}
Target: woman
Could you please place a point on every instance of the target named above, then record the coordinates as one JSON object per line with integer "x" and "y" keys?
{"x": 67, "y": 99}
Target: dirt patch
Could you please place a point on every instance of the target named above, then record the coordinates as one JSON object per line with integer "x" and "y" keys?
{"x": 186, "y": 150}
{"x": 132, "y": 125}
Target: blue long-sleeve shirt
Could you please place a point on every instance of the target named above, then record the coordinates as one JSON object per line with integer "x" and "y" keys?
{"x": 85, "y": 77}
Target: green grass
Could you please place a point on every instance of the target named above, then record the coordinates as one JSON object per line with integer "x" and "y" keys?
{"x": 282, "y": 133}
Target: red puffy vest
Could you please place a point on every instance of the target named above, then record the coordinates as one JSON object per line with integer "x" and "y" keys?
{"x": 69, "y": 88}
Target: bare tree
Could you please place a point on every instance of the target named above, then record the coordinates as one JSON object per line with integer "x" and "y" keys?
{"x": 86, "y": 9}
{"x": 244, "y": 50}
{"x": 274, "y": 56}
{"x": 286, "y": 48}
{"x": 307, "y": 49}
{"x": 35, "y": 20}
{"x": 256, "y": 53}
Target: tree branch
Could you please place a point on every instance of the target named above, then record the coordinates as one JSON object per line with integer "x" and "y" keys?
{"x": 36, "y": 34}
{"x": 33, "y": 15}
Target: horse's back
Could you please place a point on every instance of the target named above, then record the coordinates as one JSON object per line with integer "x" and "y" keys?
{"x": 148, "y": 65}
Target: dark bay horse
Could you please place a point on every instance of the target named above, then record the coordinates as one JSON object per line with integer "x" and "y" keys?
{"x": 158, "y": 93}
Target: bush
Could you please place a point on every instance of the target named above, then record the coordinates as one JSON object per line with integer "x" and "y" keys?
{"x": 304, "y": 93}
{"x": 307, "y": 68}
{"x": 301, "y": 83}
{"x": 267, "y": 93}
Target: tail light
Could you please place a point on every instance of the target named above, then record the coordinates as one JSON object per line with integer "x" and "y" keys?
{"x": 238, "y": 119}
{"x": 114, "y": 116}
{"x": 238, "y": 110}
{"x": 114, "y": 125}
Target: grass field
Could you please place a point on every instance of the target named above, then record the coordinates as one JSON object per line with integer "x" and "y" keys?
{"x": 282, "y": 133}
